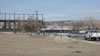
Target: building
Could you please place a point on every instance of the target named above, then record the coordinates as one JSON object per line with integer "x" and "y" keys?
{"x": 59, "y": 29}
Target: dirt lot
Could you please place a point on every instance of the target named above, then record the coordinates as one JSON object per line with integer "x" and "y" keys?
{"x": 38, "y": 45}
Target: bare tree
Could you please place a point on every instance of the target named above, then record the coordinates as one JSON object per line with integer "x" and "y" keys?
{"x": 88, "y": 23}
{"x": 32, "y": 25}
{"x": 92, "y": 23}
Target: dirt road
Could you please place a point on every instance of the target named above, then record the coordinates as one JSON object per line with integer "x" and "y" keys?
{"x": 38, "y": 45}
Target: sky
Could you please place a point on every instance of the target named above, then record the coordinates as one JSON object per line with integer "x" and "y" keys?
{"x": 54, "y": 10}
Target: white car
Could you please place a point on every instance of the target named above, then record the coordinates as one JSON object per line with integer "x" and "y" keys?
{"x": 92, "y": 35}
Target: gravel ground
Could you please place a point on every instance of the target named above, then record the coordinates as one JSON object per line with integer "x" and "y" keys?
{"x": 38, "y": 45}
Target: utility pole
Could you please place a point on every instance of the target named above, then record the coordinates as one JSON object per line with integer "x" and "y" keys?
{"x": 33, "y": 16}
{"x": 23, "y": 16}
{"x": 36, "y": 15}
{"x": 14, "y": 28}
{"x": 9, "y": 23}
{"x": 5, "y": 24}
{"x": 43, "y": 23}
{"x": 19, "y": 22}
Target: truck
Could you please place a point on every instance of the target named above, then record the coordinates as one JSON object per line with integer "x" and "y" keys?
{"x": 92, "y": 35}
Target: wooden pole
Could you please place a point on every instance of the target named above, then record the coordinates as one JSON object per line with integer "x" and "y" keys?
{"x": 23, "y": 16}
{"x": 36, "y": 15}
{"x": 5, "y": 26}
{"x": 14, "y": 24}
{"x": 9, "y": 23}
{"x": 42, "y": 21}
{"x": 33, "y": 15}
{"x": 19, "y": 22}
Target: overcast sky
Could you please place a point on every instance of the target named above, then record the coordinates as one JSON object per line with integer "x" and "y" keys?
{"x": 54, "y": 9}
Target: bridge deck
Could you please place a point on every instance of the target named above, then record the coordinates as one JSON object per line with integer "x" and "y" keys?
{"x": 12, "y": 20}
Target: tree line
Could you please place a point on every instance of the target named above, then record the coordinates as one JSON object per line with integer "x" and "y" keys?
{"x": 88, "y": 23}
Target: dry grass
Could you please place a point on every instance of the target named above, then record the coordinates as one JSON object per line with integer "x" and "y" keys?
{"x": 39, "y": 45}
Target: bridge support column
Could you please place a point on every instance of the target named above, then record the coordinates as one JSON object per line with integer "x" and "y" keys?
{"x": 5, "y": 25}
{"x": 14, "y": 27}
{"x": 19, "y": 25}
{"x": 9, "y": 25}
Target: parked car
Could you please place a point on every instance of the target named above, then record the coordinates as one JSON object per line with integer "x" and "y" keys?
{"x": 92, "y": 35}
